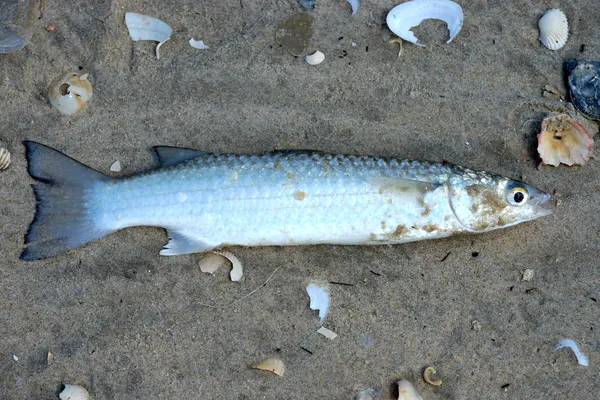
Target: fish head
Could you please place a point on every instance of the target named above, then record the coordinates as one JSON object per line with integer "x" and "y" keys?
{"x": 483, "y": 202}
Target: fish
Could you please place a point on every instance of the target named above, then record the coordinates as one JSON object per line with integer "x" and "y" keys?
{"x": 208, "y": 201}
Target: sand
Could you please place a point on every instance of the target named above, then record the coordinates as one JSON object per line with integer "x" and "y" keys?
{"x": 129, "y": 324}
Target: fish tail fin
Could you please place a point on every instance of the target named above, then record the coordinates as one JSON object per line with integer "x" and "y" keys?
{"x": 63, "y": 221}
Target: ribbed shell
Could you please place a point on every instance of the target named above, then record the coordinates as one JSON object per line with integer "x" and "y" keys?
{"x": 4, "y": 159}
{"x": 554, "y": 29}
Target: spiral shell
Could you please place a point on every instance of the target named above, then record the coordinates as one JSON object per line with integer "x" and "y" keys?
{"x": 69, "y": 93}
{"x": 554, "y": 29}
{"x": 4, "y": 159}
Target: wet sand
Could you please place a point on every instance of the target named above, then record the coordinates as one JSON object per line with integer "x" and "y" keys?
{"x": 129, "y": 324}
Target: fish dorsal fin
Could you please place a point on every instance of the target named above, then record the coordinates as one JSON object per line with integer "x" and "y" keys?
{"x": 168, "y": 156}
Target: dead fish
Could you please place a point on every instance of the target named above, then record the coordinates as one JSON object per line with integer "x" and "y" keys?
{"x": 211, "y": 200}
{"x": 584, "y": 86}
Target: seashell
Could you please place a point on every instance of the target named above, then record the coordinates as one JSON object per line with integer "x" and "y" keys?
{"x": 354, "y": 5}
{"x": 406, "y": 391}
{"x": 528, "y": 275}
{"x": 144, "y": 27}
{"x": 214, "y": 260}
{"x": 70, "y": 93}
{"x": 328, "y": 333}
{"x": 554, "y": 29}
{"x": 562, "y": 140}
{"x": 366, "y": 394}
{"x": 4, "y": 159}
{"x": 407, "y": 15}
{"x": 316, "y": 58}
{"x": 570, "y": 343}
{"x": 198, "y": 44}
{"x": 427, "y": 377}
{"x": 49, "y": 358}
{"x": 584, "y": 87}
{"x": 116, "y": 166}
{"x": 74, "y": 392}
{"x": 274, "y": 365}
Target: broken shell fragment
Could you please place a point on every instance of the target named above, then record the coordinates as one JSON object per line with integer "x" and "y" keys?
{"x": 316, "y": 58}
{"x": 49, "y": 358}
{"x": 354, "y": 5}
{"x": 427, "y": 377}
{"x": 213, "y": 260}
{"x": 69, "y": 93}
{"x": 584, "y": 86}
{"x": 528, "y": 275}
{"x": 116, "y": 166}
{"x": 144, "y": 27}
{"x": 74, "y": 392}
{"x": 366, "y": 394}
{"x": 554, "y": 29}
{"x": 406, "y": 391}
{"x": 328, "y": 333}
{"x": 407, "y": 15}
{"x": 4, "y": 159}
{"x": 562, "y": 140}
{"x": 570, "y": 343}
{"x": 274, "y": 365}
{"x": 198, "y": 44}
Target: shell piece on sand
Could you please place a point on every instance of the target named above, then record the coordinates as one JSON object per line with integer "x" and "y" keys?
{"x": 116, "y": 166}
{"x": 319, "y": 298}
{"x": 274, "y": 365}
{"x": 528, "y": 275}
{"x": 406, "y": 391}
{"x": 4, "y": 159}
{"x": 198, "y": 44}
{"x": 329, "y": 334}
{"x": 74, "y": 392}
{"x": 562, "y": 140}
{"x": 69, "y": 93}
{"x": 316, "y": 58}
{"x": 407, "y": 15}
{"x": 581, "y": 358}
{"x": 584, "y": 86}
{"x": 144, "y": 27}
{"x": 428, "y": 377}
{"x": 213, "y": 260}
{"x": 554, "y": 29}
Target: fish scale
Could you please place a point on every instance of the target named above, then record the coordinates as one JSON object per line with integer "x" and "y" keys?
{"x": 211, "y": 200}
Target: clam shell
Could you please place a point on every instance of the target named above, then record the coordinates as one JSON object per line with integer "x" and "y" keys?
{"x": 584, "y": 86}
{"x": 74, "y": 392}
{"x": 407, "y": 15}
{"x": 69, "y": 93}
{"x": 554, "y": 29}
{"x": 564, "y": 141}
{"x": 4, "y": 159}
{"x": 316, "y": 58}
{"x": 406, "y": 391}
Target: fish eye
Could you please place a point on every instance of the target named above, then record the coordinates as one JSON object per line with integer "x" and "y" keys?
{"x": 517, "y": 196}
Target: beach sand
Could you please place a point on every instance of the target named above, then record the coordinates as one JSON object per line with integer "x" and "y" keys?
{"x": 127, "y": 323}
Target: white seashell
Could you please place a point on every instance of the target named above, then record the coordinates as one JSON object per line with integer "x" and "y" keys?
{"x": 144, "y": 27}
{"x": 366, "y": 394}
{"x": 274, "y": 365}
{"x": 554, "y": 29}
{"x": 406, "y": 391}
{"x": 49, "y": 358}
{"x": 407, "y": 15}
{"x": 528, "y": 275}
{"x": 328, "y": 333}
{"x": 354, "y": 5}
{"x": 198, "y": 44}
{"x": 315, "y": 59}
{"x": 237, "y": 269}
{"x": 570, "y": 343}
{"x": 319, "y": 298}
{"x": 116, "y": 166}
{"x": 4, "y": 159}
{"x": 69, "y": 93}
{"x": 74, "y": 392}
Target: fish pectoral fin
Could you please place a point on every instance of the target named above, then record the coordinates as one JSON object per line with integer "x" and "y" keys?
{"x": 182, "y": 243}
{"x": 168, "y": 156}
{"x": 399, "y": 185}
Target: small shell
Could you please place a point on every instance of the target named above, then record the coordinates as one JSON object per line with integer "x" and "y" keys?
{"x": 554, "y": 29}
{"x": 429, "y": 371}
{"x": 366, "y": 394}
{"x": 406, "y": 391}
{"x": 328, "y": 333}
{"x": 528, "y": 275}
{"x": 49, "y": 358}
{"x": 70, "y": 93}
{"x": 198, "y": 44}
{"x": 4, "y": 159}
{"x": 407, "y": 15}
{"x": 562, "y": 140}
{"x": 274, "y": 365}
{"x": 74, "y": 392}
{"x": 316, "y": 58}
{"x": 116, "y": 166}
{"x": 319, "y": 298}
{"x": 144, "y": 27}
{"x": 584, "y": 87}
{"x": 237, "y": 269}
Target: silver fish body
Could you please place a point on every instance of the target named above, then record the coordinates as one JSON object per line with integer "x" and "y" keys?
{"x": 207, "y": 201}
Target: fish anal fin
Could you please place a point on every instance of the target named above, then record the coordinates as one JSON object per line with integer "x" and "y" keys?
{"x": 182, "y": 243}
{"x": 168, "y": 156}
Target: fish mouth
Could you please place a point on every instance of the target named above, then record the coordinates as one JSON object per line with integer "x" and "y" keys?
{"x": 540, "y": 200}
